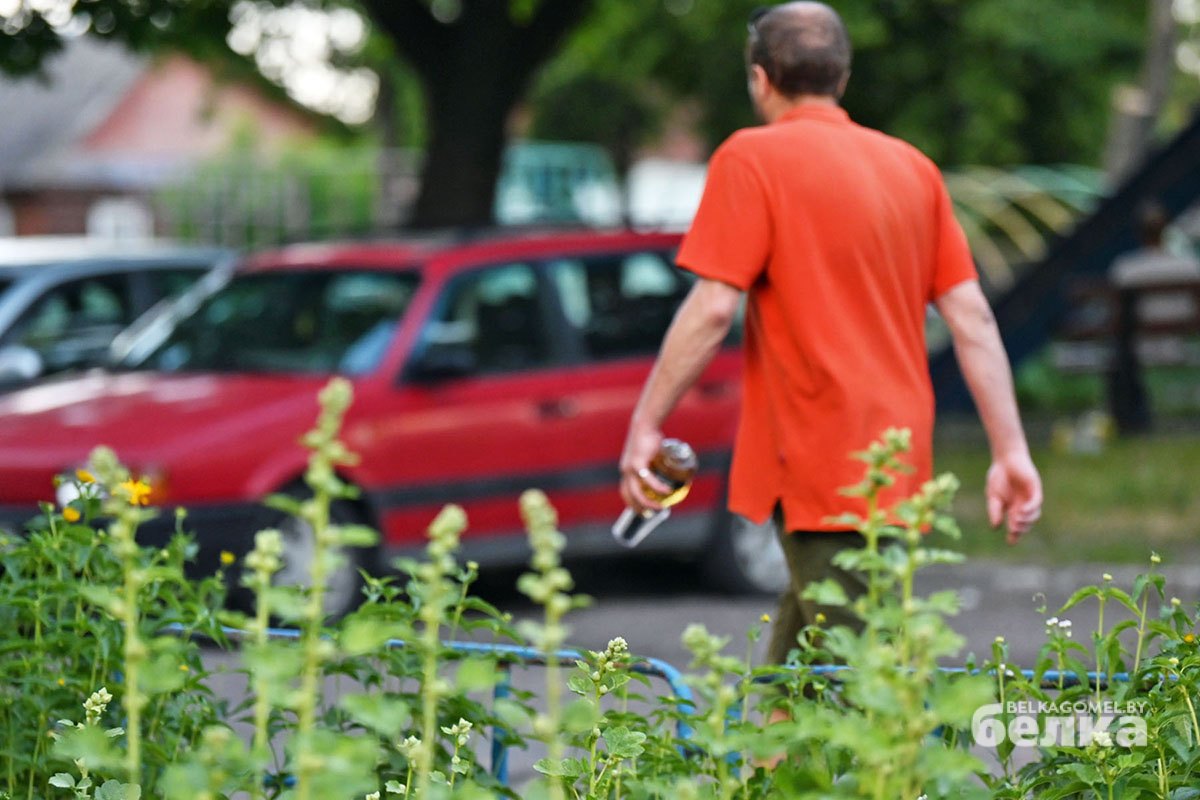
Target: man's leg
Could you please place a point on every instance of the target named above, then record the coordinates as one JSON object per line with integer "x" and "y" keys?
{"x": 809, "y": 556}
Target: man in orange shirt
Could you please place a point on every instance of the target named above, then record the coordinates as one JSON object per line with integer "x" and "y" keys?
{"x": 840, "y": 236}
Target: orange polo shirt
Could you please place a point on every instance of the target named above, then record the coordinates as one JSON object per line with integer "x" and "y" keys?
{"x": 841, "y": 235}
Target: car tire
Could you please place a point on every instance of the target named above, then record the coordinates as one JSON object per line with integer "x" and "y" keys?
{"x": 343, "y": 592}
{"x": 745, "y": 558}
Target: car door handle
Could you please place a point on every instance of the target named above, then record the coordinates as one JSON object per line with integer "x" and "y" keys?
{"x": 557, "y": 408}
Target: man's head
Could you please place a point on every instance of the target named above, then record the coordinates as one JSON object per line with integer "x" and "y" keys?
{"x": 796, "y": 50}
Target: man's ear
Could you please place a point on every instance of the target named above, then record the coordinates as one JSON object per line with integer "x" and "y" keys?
{"x": 757, "y": 80}
{"x": 757, "y": 84}
{"x": 841, "y": 91}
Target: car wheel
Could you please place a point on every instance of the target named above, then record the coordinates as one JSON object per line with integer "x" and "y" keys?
{"x": 745, "y": 558}
{"x": 343, "y": 588}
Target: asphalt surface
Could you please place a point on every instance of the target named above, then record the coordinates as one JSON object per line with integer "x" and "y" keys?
{"x": 650, "y": 602}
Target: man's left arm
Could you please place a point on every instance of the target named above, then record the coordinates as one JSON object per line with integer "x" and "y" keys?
{"x": 695, "y": 336}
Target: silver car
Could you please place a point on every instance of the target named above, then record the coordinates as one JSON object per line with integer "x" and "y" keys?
{"x": 63, "y": 300}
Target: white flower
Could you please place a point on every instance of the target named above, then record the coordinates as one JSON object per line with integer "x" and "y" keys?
{"x": 97, "y": 704}
{"x": 1102, "y": 738}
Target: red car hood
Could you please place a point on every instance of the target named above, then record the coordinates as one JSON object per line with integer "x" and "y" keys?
{"x": 147, "y": 418}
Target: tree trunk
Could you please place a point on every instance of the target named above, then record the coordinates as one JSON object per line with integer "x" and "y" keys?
{"x": 467, "y": 121}
{"x": 1137, "y": 108}
{"x": 474, "y": 68}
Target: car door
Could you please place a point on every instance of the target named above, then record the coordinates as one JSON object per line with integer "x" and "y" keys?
{"x": 480, "y": 414}
{"x": 619, "y": 306}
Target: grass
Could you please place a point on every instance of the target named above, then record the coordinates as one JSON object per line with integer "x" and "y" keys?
{"x": 1136, "y": 495}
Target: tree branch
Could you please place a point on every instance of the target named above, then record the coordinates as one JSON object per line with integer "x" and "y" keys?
{"x": 419, "y": 37}
{"x": 551, "y": 22}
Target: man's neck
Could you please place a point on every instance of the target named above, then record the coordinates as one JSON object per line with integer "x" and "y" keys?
{"x": 782, "y": 105}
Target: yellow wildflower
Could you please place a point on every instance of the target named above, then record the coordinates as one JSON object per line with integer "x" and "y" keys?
{"x": 1189, "y": 638}
{"x": 764, "y": 619}
{"x": 83, "y": 476}
{"x": 820, "y": 618}
{"x": 184, "y": 668}
{"x": 138, "y": 492}
{"x": 62, "y": 681}
{"x": 227, "y": 558}
{"x": 71, "y": 514}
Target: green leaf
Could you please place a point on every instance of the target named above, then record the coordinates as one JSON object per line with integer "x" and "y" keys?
{"x": 285, "y": 503}
{"x": 623, "y": 742}
{"x": 357, "y": 536}
{"x": 564, "y": 768}
{"x": 946, "y": 602}
{"x": 512, "y": 714}
{"x": 63, "y": 780}
{"x": 1080, "y": 596}
{"x": 90, "y": 745}
{"x": 580, "y": 716}
{"x": 115, "y": 790}
{"x": 580, "y": 685}
{"x": 361, "y": 635}
{"x": 102, "y": 597}
{"x": 936, "y": 555}
{"x": 1121, "y": 597}
{"x": 286, "y": 602}
{"x": 476, "y": 674}
{"x": 383, "y": 715}
{"x": 826, "y": 593}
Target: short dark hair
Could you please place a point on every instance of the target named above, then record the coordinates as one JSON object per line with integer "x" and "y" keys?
{"x": 803, "y": 51}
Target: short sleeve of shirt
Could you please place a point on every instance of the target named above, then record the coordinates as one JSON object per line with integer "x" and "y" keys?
{"x": 730, "y": 237}
{"x": 953, "y": 263}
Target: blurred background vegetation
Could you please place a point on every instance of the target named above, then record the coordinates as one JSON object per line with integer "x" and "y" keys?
{"x": 417, "y": 99}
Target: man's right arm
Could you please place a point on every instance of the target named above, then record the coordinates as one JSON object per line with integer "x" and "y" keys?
{"x": 1014, "y": 488}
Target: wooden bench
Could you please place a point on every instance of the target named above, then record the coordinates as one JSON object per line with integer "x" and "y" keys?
{"x": 1118, "y": 331}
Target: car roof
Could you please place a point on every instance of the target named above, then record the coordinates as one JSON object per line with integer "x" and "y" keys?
{"x": 19, "y": 254}
{"x": 447, "y": 250}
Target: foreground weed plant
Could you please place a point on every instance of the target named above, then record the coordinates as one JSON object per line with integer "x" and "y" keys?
{"x": 96, "y": 617}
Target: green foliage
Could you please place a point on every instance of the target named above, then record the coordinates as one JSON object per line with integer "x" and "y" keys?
{"x": 319, "y": 190}
{"x": 85, "y": 608}
{"x": 981, "y": 82}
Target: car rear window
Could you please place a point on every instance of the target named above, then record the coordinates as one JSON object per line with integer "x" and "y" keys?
{"x": 307, "y": 321}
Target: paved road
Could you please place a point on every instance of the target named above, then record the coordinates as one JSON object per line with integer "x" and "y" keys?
{"x": 651, "y": 602}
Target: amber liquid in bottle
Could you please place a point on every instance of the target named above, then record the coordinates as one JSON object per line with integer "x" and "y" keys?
{"x": 675, "y": 465}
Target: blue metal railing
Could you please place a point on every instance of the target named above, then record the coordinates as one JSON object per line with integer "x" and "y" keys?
{"x": 507, "y": 656}
{"x": 1051, "y": 679}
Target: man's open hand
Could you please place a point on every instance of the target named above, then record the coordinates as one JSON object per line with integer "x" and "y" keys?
{"x": 1014, "y": 494}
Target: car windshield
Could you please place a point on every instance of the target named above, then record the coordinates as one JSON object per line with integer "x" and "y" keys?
{"x": 302, "y": 321}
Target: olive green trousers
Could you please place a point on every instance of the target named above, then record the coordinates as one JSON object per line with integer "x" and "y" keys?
{"x": 809, "y": 558}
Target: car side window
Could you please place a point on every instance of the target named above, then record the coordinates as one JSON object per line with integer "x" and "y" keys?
{"x": 621, "y": 304}
{"x": 78, "y": 315}
{"x": 497, "y": 315}
{"x": 172, "y": 282}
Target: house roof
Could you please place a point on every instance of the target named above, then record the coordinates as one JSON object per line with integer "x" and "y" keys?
{"x": 46, "y": 114}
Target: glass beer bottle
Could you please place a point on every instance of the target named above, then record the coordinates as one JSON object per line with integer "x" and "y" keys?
{"x": 675, "y": 465}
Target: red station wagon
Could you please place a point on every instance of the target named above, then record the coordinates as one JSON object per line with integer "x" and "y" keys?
{"x": 480, "y": 368}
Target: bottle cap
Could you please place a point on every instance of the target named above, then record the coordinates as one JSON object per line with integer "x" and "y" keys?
{"x": 675, "y": 462}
